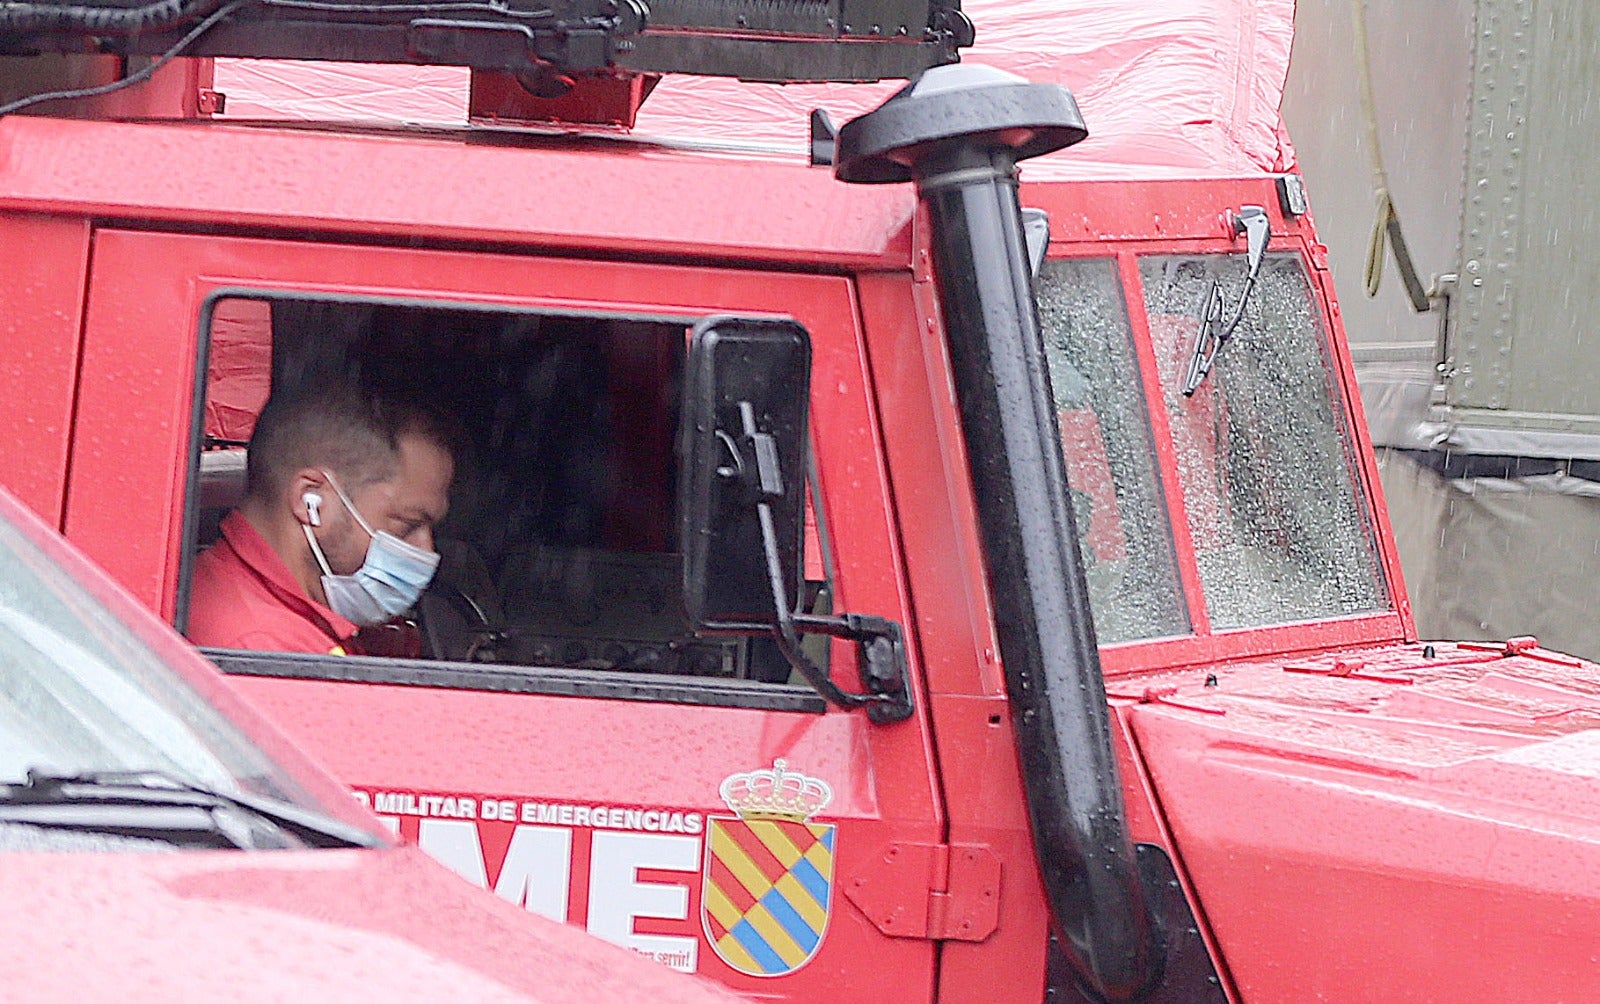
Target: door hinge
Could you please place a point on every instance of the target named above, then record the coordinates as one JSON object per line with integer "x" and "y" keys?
{"x": 943, "y": 892}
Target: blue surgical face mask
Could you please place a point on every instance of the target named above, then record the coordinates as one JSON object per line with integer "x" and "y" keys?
{"x": 388, "y": 583}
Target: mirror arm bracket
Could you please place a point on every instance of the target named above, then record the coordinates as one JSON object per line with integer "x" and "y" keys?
{"x": 882, "y": 649}
{"x": 880, "y": 640}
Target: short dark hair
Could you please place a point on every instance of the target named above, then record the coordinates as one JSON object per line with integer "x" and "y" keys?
{"x": 353, "y": 433}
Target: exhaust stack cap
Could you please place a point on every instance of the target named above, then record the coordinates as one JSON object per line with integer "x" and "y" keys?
{"x": 966, "y": 105}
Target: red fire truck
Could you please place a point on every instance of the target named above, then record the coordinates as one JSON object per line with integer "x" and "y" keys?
{"x": 855, "y": 586}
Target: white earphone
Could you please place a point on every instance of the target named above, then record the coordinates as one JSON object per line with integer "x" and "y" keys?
{"x": 313, "y": 503}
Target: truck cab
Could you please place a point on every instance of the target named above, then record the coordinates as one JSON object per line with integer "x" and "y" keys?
{"x": 1077, "y": 649}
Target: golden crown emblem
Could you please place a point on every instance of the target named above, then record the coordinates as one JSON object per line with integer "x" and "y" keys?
{"x": 778, "y": 793}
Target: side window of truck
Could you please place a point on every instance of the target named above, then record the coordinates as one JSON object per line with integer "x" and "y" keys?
{"x": 559, "y": 549}
{"x": 1268, "y": 472}
{"x": 1123, "y": 532}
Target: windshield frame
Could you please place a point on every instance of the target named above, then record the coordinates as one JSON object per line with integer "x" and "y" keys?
{"x": 1204, "y": 643}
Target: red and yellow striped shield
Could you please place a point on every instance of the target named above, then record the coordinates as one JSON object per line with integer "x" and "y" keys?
{"x": 768, "y": 887}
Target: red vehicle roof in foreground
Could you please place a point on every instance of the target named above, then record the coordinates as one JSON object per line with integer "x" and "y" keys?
{"x": 385, "y": 923}
{"x": 292, "y": 925}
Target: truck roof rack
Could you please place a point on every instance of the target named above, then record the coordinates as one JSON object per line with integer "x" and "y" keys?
{"x": 773, "y": 40}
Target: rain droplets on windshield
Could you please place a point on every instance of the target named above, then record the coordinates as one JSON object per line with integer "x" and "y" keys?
{"x": 1123, "y": 532}
{"x": 1274, "y": 503}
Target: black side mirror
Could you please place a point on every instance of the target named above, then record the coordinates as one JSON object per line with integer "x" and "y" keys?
{"x": 741, "y": 506}
{"x": 743, "y": 432}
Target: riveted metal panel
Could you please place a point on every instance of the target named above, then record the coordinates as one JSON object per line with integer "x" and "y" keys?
{"x": 1479, "y": 355}
{"x": 1489, "y": 139}
{"x": 1523, "y": 348}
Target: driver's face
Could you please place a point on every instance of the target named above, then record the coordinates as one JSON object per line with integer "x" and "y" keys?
{"x": 407, "y": 505}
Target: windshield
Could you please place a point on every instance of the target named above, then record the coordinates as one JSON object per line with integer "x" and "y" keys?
{"x": 1274, "y": 501}
{"x": 80, "y": 694}
{"x": 1106, "y": 444}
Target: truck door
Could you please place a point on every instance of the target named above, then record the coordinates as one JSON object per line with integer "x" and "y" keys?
{"x": 690, "y": 803}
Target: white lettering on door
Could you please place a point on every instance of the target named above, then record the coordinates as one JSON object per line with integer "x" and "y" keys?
{"x": 537, "y": 870}
{"x": 617, "y": 897}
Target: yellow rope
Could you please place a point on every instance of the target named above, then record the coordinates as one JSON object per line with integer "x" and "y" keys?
{"x": 1376, "y": 243}
{"x": 1386, "y": 225}
{"x": 1380, "y": 177}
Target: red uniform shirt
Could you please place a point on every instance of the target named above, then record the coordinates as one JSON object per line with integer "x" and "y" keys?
{"x": 243, "y": 596}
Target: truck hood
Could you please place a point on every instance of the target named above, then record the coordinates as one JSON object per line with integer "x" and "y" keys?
{"x": 1431, "y": 811}
{"x": 290, "y": 925}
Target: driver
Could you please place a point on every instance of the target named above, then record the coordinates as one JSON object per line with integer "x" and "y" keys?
{"x": 335, "y": 531}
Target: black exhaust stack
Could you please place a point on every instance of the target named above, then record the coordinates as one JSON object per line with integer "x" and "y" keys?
{"x": 958, "y": 132}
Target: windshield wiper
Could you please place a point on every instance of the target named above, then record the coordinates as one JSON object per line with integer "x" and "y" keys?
{"x": 1214, "y": 332}
{"x": 153, "y": 803}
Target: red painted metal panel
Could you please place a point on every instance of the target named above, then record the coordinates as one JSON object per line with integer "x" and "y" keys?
{"x": 983, "y": 791}
{"x": 1344, "y": 632}
{"x": 976, "y": 747}
{"x": 1107, "y": 212}
{"x": 45, "y": 261}
{"x": 176, "y": 91}
{"x": 130, "y": 437}
{"x": 517, "y": 188}
{"x": 933, "y": 496}
{"x": 1147, "y": 824}
{"x": 1415, "y": 830}
{"x": 1366, "y": 456}
{"x": 674, "y": 754}
{"x": 133, "y": 442}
